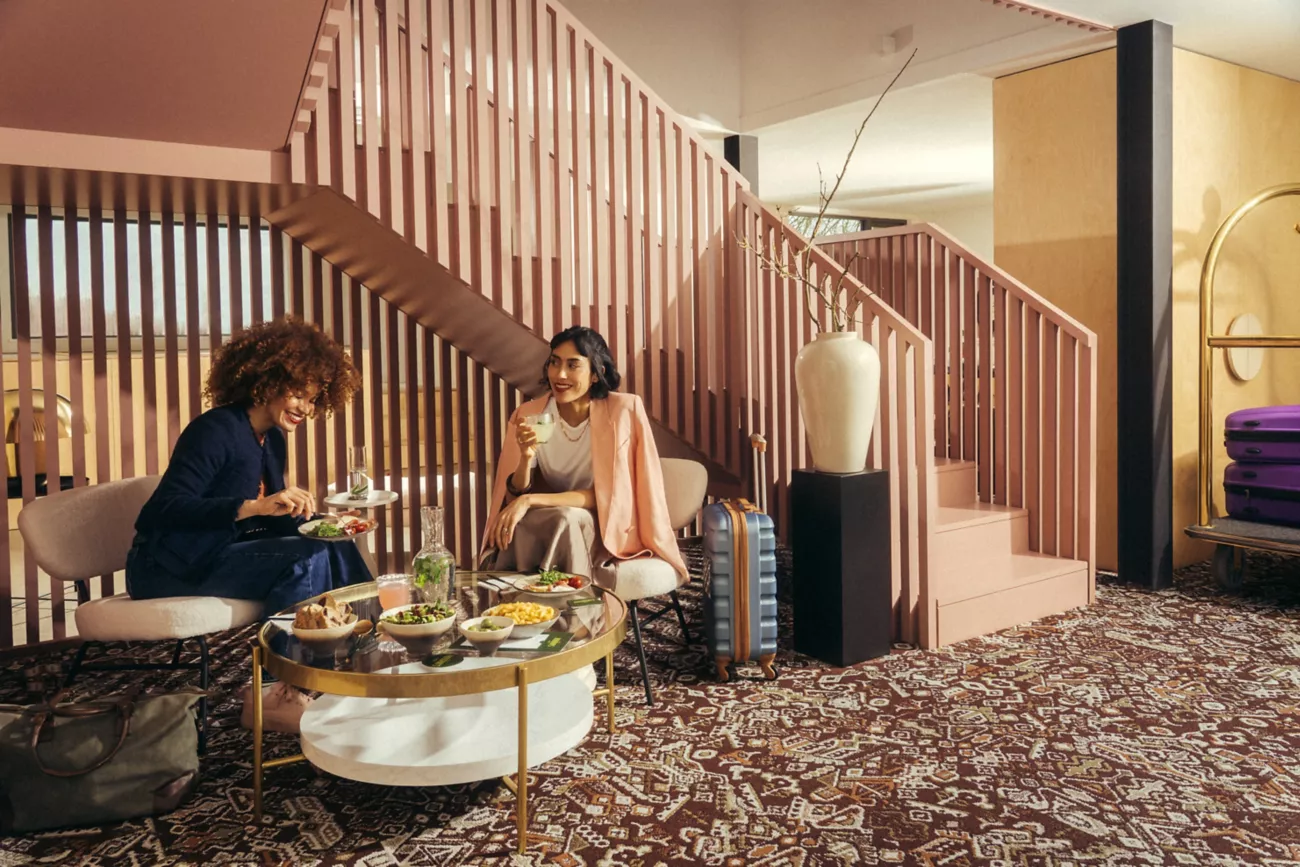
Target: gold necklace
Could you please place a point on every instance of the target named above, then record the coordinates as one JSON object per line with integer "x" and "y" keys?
{"x": 564, "y": 430}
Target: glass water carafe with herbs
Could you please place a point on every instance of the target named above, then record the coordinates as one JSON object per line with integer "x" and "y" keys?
{"x": 434, "y": 566}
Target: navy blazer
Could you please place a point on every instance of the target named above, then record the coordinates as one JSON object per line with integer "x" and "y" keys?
{"x": 216, "y": 465}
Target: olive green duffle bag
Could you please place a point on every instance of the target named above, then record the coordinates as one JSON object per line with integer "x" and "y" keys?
{"x": 89, "y": 763}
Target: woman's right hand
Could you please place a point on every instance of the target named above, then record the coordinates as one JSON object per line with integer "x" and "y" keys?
{"x": 526, "y": 436}
{"x": 291, "y": 501}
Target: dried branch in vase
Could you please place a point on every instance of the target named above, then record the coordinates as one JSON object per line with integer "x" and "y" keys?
{"x": 803, "y": 267}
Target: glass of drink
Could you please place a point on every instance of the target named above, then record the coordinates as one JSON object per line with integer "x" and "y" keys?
{"x": 394, "y": 590}
{"x": 358, "y": 477}
{"x": 544, "y": 424}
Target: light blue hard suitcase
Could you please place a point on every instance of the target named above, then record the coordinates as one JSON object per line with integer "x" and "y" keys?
{"x": 740, "y": 579}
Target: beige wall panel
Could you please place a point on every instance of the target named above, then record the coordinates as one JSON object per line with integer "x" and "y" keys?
{"x": 1054, "y": 219}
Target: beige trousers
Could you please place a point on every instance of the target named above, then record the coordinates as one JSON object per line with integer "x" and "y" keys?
{"x": 557, "y": 537}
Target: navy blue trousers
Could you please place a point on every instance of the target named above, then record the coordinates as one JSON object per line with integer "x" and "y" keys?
{"x": 280, "y": 571}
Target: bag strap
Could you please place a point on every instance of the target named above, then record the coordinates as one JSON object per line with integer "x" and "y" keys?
{"x": 123, "y": 706}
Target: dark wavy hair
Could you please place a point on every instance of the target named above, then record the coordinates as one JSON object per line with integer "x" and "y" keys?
{"x": 592, "y": 347}
{"x": 275, "y": 358}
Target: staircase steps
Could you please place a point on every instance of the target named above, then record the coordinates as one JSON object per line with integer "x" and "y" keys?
{"x": 985, "y": 576}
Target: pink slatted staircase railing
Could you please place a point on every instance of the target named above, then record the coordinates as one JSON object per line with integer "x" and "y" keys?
{"x": 519, "y": 178}
{"x": 1015, "y": 429}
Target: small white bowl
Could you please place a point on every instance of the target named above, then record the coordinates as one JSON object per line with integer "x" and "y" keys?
{"x": 487, "y": 642}
{"x": 415, "y": 630}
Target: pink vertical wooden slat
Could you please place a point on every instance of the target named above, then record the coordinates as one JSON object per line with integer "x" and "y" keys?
{"x": 24, "y": 444}
{"x": 483, "y": 138}
{"x": 925, "y": 283}
{"x": 6, "y": 556}
{"x": 567, "y": 188}
{"x": 695, "y": 356}
{"x": 337, "y": 331}
{"x": 462, "y": 138}
{"x": 769, "y": 347}
{"x": 603, "y": 181}
{"x": 440, "y": 142}
{"x": 494, "y": 427}
{"x": 171, "y": 326}
{"x": 320, "y": 444}
{"x": 955, "y": 384}
{"x": 984, "y": 359}
{"x": 396, "y": 168}
{"x": 256, "y": 288}
{"x": 99, "y": 331}
{"x": 1000, "y": 396}
{"x": 50, "y": 385}
{"x": 640, "y": 296}
{"x": 507, "y": 224}
{"x": 673, "y": 273}
{"x": 581, "y": 121}
{"x": 211, "y": 235}
{"x": 482, "y": 398}
{"x": 416, "y": 474}
{"x": 463, "y": 466}
{"x": 76, "y": 372}
{"x": 235, "y": 263}
{"x": 123, "y": 290}
{"x": 451, "y": 508}
{"x": 970, "y": 374}
{"x": 431, "y": 441}
{"x": 546, "y": 90}
{"x": 909, "y": 519}
{"x": 376, "y": 435}
{"x": 939, "y": 286}
{"x": 416, "y": 108}
{"x": 722, "y": 236}
{"x": 911, "y": 288}
{"x": 1015, "y": 401}
{"x": 148, "y": 340}
{"x": 523, "y": 68}
{"x": 889, "y": 460}
{"x": 617, "y": 287}
{"x": 1033, "y": 428}
{"x": 1051, "y": 453}
{"x": 322, "y": 126}
{"x": 346, "y": 119}
{"x": 193, "y": 333}
{"x": 651, "y": 248}
{"x": 393, "y": 439}
{"x": 298, "y": 451}
{"x": 371, "y": 94}
{"x": 1067, "y": 464}
{"x": 361, "y": 353}
{"x": 1087, "y": 516}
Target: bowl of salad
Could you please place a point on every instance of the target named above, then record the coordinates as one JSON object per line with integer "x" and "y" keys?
{"x": 418, "y": 621}
{"x": 551, "y": 582}
{"x": 487, "y": 633}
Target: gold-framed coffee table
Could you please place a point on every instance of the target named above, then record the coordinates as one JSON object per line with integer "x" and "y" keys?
{"x": 436, "y": 716}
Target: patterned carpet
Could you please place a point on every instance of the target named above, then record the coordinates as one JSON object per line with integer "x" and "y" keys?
{"x": 1152, "y": 728}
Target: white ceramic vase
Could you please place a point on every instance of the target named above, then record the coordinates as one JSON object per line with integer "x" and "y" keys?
{"x": 838, "y": 380}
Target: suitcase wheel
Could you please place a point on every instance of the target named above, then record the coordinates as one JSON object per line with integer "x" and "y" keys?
{"x": 726, "y": 669}
{"x": 1229, "y": 566}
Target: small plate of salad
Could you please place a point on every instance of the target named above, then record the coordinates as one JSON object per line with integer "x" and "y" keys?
{"x": 551, "y": 582}
{"x": 337, "y": 528}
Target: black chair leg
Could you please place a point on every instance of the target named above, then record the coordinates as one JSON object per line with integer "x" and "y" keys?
{"x": 76, "y": 663}
{"x": 640, "y": 651}
{"x": 176, "y": 654}
{"x": 681, "y": 616}
{"x": 203, "y": 701}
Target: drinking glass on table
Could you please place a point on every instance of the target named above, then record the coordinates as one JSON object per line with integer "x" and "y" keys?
{"x": 394, "y": 590}
{"x": 358, "y": 476}
{"x": 543, "y": 424}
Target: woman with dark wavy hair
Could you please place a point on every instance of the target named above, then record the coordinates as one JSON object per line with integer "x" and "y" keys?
{"x": 222, "y": 521}
{"x": 588, "y": 492}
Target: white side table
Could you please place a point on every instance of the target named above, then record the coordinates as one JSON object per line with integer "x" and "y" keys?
{"x": 377, "y": 500}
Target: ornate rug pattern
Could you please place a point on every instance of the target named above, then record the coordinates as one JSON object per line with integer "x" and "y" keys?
{"x": 1149, "y": 729}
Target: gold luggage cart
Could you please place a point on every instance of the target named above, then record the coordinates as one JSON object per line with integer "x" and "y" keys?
{"x": 1232, "y": 537}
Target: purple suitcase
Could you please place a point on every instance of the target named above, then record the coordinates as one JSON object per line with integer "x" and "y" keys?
{"x": 1268, "y": 493}
{"x": 1266, "y": 434}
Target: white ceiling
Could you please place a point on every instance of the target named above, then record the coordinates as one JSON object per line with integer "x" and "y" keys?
{"x": 1260, "y": 34}
{"x": 810, "y": 69}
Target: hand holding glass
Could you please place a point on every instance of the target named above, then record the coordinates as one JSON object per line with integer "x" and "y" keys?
{"x": 543, "y": 424}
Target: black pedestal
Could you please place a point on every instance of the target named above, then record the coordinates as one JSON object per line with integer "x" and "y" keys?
{"x": 843, "y": 594}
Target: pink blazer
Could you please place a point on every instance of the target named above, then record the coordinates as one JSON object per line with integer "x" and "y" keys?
{"x": 631, "y": 509}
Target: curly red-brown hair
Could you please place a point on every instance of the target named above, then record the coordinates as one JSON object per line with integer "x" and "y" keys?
{"x": 272, "y": 359}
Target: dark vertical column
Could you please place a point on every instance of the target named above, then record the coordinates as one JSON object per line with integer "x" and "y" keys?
{"x": 1144, "y": 136}
{"x": 742, "y": 152}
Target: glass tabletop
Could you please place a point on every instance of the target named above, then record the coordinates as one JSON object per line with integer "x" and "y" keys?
{"x": 589, "y": 623}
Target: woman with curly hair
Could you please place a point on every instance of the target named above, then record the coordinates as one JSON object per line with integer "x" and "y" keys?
{"x": 222, "y": 521}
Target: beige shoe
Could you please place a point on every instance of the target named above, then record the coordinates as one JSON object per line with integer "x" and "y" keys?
{"x": 282, "y": 708}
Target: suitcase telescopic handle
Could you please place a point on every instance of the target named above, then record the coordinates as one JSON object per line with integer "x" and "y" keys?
{"x": 759, "y": 442}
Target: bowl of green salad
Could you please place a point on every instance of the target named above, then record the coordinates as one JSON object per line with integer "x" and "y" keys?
{"x": 419, "y": 621}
